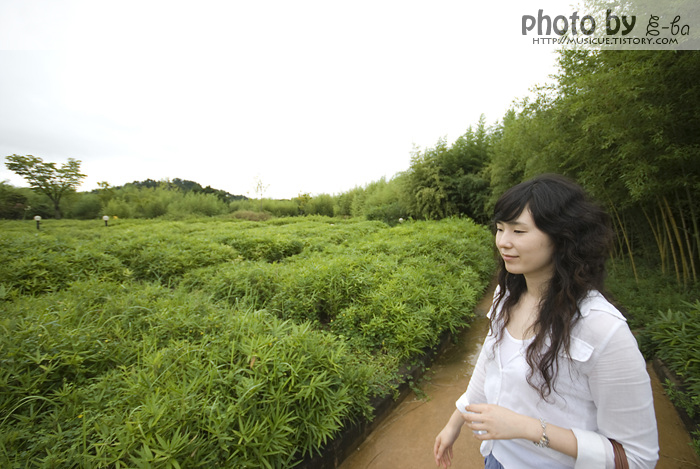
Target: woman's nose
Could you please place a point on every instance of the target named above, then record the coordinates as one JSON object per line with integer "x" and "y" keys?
{"x": 502, "y": 239}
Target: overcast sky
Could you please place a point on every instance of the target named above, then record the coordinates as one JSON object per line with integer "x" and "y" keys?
{"x": 308, "y": 96}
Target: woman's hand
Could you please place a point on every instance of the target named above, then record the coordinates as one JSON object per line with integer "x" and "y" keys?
{"x": 498, "y": 422}
{"x": 445, "y": 440}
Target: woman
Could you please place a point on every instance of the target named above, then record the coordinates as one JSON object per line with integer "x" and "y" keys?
{"x": 560, "y": 376}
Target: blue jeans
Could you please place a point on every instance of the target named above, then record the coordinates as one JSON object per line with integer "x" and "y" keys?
{"x": 492, "y": 463}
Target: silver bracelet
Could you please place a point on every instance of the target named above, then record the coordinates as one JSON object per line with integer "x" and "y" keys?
{"x": 544, "y": 441}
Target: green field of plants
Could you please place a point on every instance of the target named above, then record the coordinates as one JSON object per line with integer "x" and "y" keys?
{"x": 216, "y": 343}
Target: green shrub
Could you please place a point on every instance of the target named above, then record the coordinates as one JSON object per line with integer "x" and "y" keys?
{"x": 389, "y": 214}
{"x": 107, "y": 376}
{"x": 196, "y": 204}
{"x": 237, "y": 283}
{"x": 270, "y": 250}
{"x": 87, "y": 206}
{"x": 216, "y": 342}
{"x": 675, "y": 337}
{"x": 644, "y": 298}
{"x": 118, "y": 208}
{"x": 13, "y": 203}
{"x": 281, "y": 208}
{"x": 249, "y": 215}
{"x": 45, "y": 263}
{"x": 244, "y": 204}
{"x": 166, "y": 256}
{"x": 322, "y": 204}
{"x": 395, "y": 289}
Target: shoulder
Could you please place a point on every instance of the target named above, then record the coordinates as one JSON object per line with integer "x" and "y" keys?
{"x": 596, "y": 305}
{"x": 600, "y": 322}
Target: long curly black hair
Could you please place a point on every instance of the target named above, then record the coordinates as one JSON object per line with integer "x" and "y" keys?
{"x": 581, "y": 233}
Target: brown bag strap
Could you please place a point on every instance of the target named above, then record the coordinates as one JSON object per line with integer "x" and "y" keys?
{"x": 620, "y": 456}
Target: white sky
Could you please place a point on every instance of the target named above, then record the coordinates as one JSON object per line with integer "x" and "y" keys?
{"x": 308, "y": 96}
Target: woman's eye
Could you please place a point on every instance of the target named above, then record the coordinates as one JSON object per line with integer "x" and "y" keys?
{"x": 518, "y": 231}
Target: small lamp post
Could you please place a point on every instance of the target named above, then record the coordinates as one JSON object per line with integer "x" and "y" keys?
{"x": 38, "y": 221}
{"x": 106, "y": 219}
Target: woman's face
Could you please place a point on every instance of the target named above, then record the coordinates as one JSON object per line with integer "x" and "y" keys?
{"x": 525, "y": 249}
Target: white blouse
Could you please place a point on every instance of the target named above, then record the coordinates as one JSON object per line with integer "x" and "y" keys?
{"x": 602, "y": 392}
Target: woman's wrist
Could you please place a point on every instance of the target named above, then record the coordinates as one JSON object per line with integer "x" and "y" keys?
{"x": 533, "y": 430}
{"x": 560, "y": 439}
{"x": 544, "y": 439}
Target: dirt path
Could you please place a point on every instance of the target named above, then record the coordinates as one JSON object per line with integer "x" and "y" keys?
{"x": 404, "y": 440}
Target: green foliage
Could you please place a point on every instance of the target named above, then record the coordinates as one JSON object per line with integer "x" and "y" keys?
{"x": 270, "y": 208}
{"x": 46, "y": 178}
{"x": 52, "y": 259}
{"x": 43, "y": 262}
{"x": 197, "y": 204}
{"x": 462, "y": 170}
{"x": 676, "y": 340}
{"x": 443, "y": 181}
{"x": 166, "y": 256}
{"x": 147, "y": 202}
{"x": 213, "y": 343}
{"x": 344, "y": 202}
{"x": 620, "y": 123}
{"x": 645, "y": 297}
{"x": 13, "y": 204}
{"x": 320, "y": 205}
{"x": 426, "y": 190}
{"x": 251, "y": 216}
{"x": 281, "y": 208}
{"x": 391, "y": 289}
{"x": 106, "y": 374}
{"x": 86, "y": 206}
{"x": 182, "y": 185}
{"x": 270, "y": 250}
{"x": 119, "y": 208}
{"x": 381, "y": 200}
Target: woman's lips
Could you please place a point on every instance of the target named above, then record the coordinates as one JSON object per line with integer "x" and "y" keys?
{"x": 507, "y": 257}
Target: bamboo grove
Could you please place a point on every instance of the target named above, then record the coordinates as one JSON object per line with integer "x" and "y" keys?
{"x": 624, "y": 124}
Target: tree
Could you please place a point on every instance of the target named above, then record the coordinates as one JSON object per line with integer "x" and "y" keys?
{"x": 302, "y": 201}
{"x": 462, "y": 172}
{"x": 449, "y": 180}
{"x": 105, "y": 192}
{"x": 45, "y": 178}
{"x": 425, "y": 186}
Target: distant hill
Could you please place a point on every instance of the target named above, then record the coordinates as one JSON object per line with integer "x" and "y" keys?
{"x": 187, "y": 186}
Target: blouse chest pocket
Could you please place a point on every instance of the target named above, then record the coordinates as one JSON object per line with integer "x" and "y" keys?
{"x": 580, "y": 350}
{"x": 573, "y": 379}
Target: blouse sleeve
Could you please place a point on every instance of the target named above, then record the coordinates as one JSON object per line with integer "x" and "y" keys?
{"x": 621, "y": 389}
{"x": 475, "y": 390}
{"x": 475, "y": 393}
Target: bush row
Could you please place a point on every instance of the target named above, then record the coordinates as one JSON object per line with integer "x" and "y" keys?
{"x": 216, "y": 343}
{"x": 108, "y": 375}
